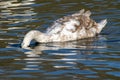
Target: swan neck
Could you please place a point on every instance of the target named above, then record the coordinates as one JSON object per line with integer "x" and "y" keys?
{"x": 34, "y": 34}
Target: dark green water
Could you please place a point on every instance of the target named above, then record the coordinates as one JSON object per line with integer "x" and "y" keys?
{"x": 95, "y": 58}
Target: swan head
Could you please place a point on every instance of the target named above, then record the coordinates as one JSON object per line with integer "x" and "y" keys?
{"x": 34, "y": 34}
{"x": 25, "y": 44}
{"x": 27, "y": 39}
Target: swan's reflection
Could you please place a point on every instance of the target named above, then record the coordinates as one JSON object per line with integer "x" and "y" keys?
{"x": 61, "y": 55}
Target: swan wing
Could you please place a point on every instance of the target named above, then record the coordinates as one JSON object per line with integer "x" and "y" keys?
{"x": 71, "y": 23}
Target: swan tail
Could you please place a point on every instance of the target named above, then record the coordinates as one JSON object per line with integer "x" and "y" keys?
{"x": 101, "y": 25}
{"x": 103, "y": 22}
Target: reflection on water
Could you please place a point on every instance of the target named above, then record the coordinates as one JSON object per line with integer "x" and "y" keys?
{"x": 14, "y": 12}
{"x": 87, "y": 59}
{"x": 63, "y": 51}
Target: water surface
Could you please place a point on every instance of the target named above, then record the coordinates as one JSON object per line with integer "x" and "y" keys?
{"x": 87, "y": 59}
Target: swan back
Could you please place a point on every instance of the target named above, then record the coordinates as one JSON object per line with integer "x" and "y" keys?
{"x": 72, "y": 23}
{"x": 78, "y": 24}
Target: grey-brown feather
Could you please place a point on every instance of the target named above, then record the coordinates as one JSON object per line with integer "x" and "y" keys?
{"x": 82, "y": 16}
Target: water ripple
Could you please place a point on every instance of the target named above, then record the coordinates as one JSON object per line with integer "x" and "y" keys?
{"x": 87, "y": 59}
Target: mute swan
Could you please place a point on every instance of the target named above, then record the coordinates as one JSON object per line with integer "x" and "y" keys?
{"x": 72, "y": 27}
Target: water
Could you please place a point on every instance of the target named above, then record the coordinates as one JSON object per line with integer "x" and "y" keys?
{"x": 87, "y": 59}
